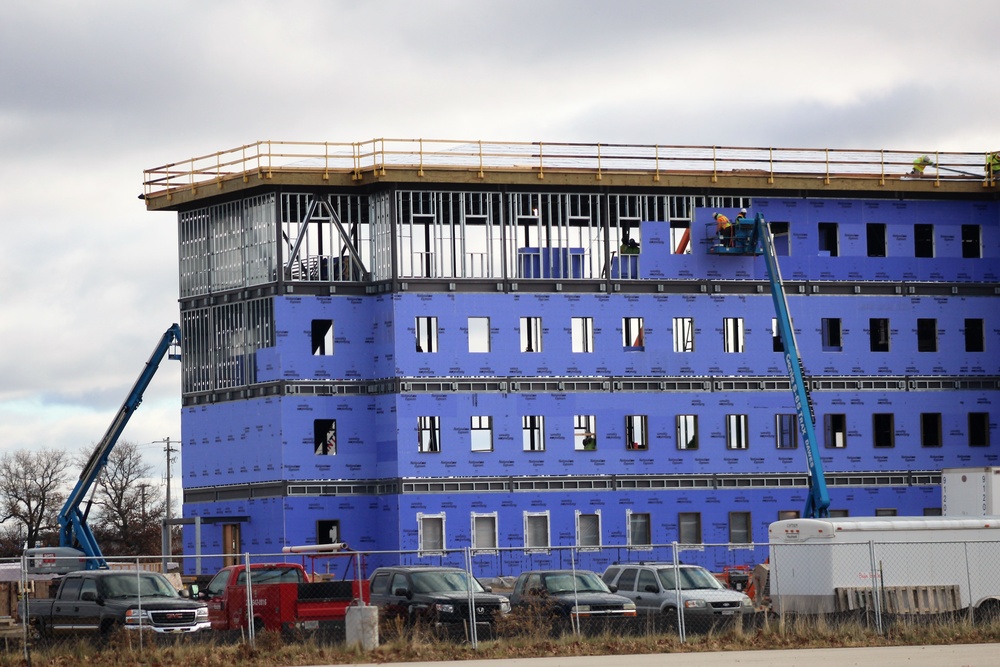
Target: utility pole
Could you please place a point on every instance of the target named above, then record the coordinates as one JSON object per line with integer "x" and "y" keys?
{"x": 167, "y": 538}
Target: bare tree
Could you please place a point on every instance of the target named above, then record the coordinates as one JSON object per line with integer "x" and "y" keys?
{"x": 129, "y": 509}
{"x": 31, "y": 492}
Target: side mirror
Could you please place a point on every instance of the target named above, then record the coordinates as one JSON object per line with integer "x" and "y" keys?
{"x": 650, "y": 588}
{"x": 488, "y": 589}
{"x": 88, "y": 596}
{"x": 403, "y": 593}
{"x": 612, "y": 588}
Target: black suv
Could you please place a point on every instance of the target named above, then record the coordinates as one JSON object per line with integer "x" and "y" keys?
{"x": 435, "y": 595}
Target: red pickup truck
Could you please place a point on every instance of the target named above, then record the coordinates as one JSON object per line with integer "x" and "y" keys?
{"x": 284, "y": 598}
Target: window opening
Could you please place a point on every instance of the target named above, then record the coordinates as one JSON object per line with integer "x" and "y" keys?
{"x": 588, "y": 529}
{"x": 832, "y": 341}
{"x": 689, "y": 528}
{"x": 782, "y": 239}
{"x": 481, "y": 433}
{"x": 638, "y": 529}
{"x": 923, "y": 240}
{"x": 788, "y": 514}
{"x": 786, "y": 431}
{"x": 683, "y": 334}
{"x": 835, "y": 430}
{"x": 633, "y": 337}
{"x": 429, "y": 434}
{"x": 737, "y": 431}
{"x": 531, "y": 334}
{"x": 427, "y": 334}
{"x": 636, "y": 433}
{"x": 484, "y": 532}
{"x": 325, "y": 437}
{"x": 972, "y": 246}
{"x": 878, "y": 333}
{"x": 930, "y": 429}
{"x": 328, "y": 531}
{"x": 533, "y": 433}
{"x": 974, "y": 336}
{"x": 883, "y": 430}
{"x": 479, "y": 334}
{"x": 582, "y": 332}
{"x": 536, "y": 530}
{"x": 926, "y": 335}
{"x": 876, "y": 239}
{"x": 886, "y": 511}
{"x": 732, "y": 334}
{"x": 776, "y": 345}
{"x": 322, "y": 338}
{"x": 584, "y": 433}
{"x": 431, "y": 533}
{"x": 829, "y": 242}
{"x": 739, "y": 528}
{"x": 687, "y": 431}
{"x": 979, "y": 429}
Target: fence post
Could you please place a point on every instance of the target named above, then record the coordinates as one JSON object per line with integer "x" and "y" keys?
{"x": 471, "y": 596}
{"x": 681, "y": 629}
{"x": 876, "y": 576}
{"x": 251, "y": 634}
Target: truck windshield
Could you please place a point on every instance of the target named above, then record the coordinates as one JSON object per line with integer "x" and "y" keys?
{"x": 444, "y": 582}
{"x": 582, "y": 582}
{"x": 130, "y": 585}
{"x": 271, "y": 575}
{"x": 692, "y": 578}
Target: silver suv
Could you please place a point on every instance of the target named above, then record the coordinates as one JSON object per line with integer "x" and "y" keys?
{"x": 662, "y": 587}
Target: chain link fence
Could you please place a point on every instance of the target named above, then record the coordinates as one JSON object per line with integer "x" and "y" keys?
{"x": 498, "y": 594}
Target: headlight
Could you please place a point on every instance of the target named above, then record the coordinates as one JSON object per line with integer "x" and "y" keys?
{"x": 579, "y": 608}
{"x": 747, "y": 602}
{"x": 136, "y": 616}
{"x": 694, "y": 604}
{"x": 504, "y": 606}
{"x": 201, "y": 613}
{"x": 445, "y": 608}
{"x": 629, "y": 606}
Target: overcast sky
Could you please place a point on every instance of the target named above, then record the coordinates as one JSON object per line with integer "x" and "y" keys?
{"x": 93, "y": 92}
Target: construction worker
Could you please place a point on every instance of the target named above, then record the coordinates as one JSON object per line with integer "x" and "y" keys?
{"x": 920, "y": 164}
{"x": 993, "y": 165}
{"x": 724, "y": 228}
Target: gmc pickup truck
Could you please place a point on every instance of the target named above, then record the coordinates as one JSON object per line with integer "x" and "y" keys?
{"x": 100, "y": 601}
{"x": 283, "y": 598}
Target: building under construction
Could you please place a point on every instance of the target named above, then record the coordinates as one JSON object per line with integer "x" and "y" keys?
{"x": 435, "y": 345}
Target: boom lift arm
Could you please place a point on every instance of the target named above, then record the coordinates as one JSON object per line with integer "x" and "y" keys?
{"x": 753, "y": 237}
{"x": 73, "y": 529}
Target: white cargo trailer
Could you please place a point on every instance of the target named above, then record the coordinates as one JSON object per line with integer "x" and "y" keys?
{"x": 970, "y": 491}
{"x": 916, "y": 565}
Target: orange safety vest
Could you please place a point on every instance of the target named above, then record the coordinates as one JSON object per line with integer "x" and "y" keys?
{"x": 722, "y": 221}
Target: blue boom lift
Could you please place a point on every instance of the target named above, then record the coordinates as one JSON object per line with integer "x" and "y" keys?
{"x": 753, "y": 237}
{"x": 76, "y": 540}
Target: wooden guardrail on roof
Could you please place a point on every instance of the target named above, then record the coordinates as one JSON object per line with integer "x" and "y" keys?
{"x": 377, "y": 157}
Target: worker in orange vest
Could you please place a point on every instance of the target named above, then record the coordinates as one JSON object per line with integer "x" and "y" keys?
{"x": 724, "y": 228}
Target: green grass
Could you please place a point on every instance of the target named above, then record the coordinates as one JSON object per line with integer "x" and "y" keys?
{"x": 408, "y": 645}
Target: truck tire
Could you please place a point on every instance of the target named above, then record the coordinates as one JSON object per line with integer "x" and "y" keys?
{"x": 988, "y": 612}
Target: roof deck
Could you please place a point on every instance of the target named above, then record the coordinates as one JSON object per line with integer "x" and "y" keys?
{"x": 808, "y": 170}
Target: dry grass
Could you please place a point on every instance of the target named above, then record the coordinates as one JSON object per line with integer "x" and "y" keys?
{"x": 523, "y": 640}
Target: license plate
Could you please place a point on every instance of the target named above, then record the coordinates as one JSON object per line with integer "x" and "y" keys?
{"x": 728, "y": 612}
{"x": 309, "y": 625}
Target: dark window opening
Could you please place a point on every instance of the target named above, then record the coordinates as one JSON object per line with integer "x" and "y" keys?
{"x": 831, "y": 335}
{"x": 322, "y": 337}
{"x": 828, "y": 239}
{"x": 835, "y": 430}
{"x": 979, "y": 429}
{"x": 325, "y": 437}
{"x": 930, "y": 429}
{"x": 883, "y": 430}
{"x": 878, "y": 331}
{"x": 974, "y": 336}
{"x": 781, "y": 238}
{"x": 923, "y": 240}
{"x": 926, "y": 335}
{"x": 972, "y": 247}
{"x": 328, "y": 532}
{"x": 876, "y": 239}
